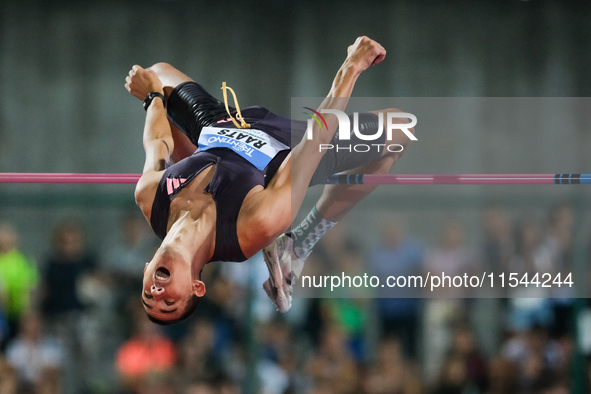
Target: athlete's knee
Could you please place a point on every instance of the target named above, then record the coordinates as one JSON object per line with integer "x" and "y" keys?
{"x": 267, "y": 226}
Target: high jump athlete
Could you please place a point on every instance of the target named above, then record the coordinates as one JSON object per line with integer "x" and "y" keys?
{"x": 225, "y": 200}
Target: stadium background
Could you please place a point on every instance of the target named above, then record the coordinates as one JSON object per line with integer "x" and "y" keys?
{"x": 64, "y": 109}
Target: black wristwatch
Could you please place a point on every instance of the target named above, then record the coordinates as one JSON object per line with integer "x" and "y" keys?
{"x": 150, "y": 97}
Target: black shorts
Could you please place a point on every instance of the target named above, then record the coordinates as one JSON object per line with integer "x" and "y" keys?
{"x": 190, "y": 107}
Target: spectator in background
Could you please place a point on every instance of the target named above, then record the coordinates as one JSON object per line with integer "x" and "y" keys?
{"x": 122, "y": 261}
{"x": 276, "y": 368}
{"x": 398, "y": 311}
{"x": 127, "y": 256}
{"x": 530, "y": 306}
{"x": 324, "y": 260}
{"x": 464, "y": 347}
{"x": 391, "y": 373}
{"x": 453, "y": 258}
{"x": 200, "y": 388}
{"x": 453, "y": 378}
{"x": 465, "y": 368}
{"x": 3, "y": 330}
{"x": 498, "y": 248}
{"x": 499, "y": 240}
{"x": 228, "y": 387}
{"x": 36, "y": 357}
{"x": 156, "y": 384}
{"x": 148, "y": 354}
{"x": 503, "y": 377}
{"x": 65, "y": 270}
{"x": 539, "y": 360}
{"x": 559, "y": 244}
{"x": 18, "y": 277}
{"x": 333, "y": 365}
{"x": 559, "y": 239}
{"x": 348, "y": 306}
{"x": 219, "y": 387}
{"x": 8, "y": 378}
{"x": 197, "y": 353}
{"x": 70, "y": 262}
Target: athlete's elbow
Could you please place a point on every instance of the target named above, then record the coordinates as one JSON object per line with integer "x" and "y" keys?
{"x": 267, "y": 229}
{"x": 138, "y": 196}
{"x": 161, "y": 68}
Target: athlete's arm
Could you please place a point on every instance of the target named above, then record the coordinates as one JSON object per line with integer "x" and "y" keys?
{"x": 268, "y": 213}
{"x": 364, "y": 52}
{"x": 304, "y": 159}
{"x": 157, "y": 137}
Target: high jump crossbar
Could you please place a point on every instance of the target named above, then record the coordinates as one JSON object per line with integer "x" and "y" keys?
{"x": 354, "y": 179}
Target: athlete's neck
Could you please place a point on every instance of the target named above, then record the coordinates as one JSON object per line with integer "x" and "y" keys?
{"x": 193, "y": 238}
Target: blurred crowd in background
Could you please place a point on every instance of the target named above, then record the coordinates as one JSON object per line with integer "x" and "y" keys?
{"x": 71, "y": 320}
{"x": 74, "y": 323}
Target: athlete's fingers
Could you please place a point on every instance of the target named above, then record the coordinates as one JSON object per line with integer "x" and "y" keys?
{"x": 381, "y": 55}
{"x": 378, "y": 51}
{"x": 366, "y": 52}
{"x": 128, "y": 79}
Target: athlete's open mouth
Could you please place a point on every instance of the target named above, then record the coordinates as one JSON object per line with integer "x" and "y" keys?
{"x": 162, "y": 273}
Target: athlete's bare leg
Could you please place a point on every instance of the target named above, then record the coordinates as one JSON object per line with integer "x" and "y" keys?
{"x": 283, "y": 263}
{"x": 275, "y": 207}
{"x": 170, "y": 78}
{"x": 337, "y": 200}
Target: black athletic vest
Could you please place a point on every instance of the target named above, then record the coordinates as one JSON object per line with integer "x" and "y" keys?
{"x": 191, "y": 108}
{"x": 234, "y": 177}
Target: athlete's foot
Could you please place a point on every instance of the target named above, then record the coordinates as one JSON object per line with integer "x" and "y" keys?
{"x": 284, "y": 268}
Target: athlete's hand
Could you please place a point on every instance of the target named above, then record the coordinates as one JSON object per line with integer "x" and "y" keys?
{"x": 140, "y": 82}
{"x": 364, "y": 52}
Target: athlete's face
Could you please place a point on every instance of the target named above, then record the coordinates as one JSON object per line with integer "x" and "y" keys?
{"x": 168, "y": 285}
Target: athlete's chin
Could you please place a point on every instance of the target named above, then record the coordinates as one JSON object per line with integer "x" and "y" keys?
{"x": 161, "y": 318}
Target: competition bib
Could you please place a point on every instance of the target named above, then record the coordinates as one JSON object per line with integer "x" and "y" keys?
{"x": 256, "y": 146}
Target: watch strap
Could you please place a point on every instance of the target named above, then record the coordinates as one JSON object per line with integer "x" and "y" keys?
{"x": 150, "y": 97}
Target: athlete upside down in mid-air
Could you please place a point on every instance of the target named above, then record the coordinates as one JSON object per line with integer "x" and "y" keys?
{"x": 217, "y": 203}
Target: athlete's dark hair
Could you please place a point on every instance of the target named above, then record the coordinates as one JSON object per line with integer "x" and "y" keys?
{"x": 189, "y": 309}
